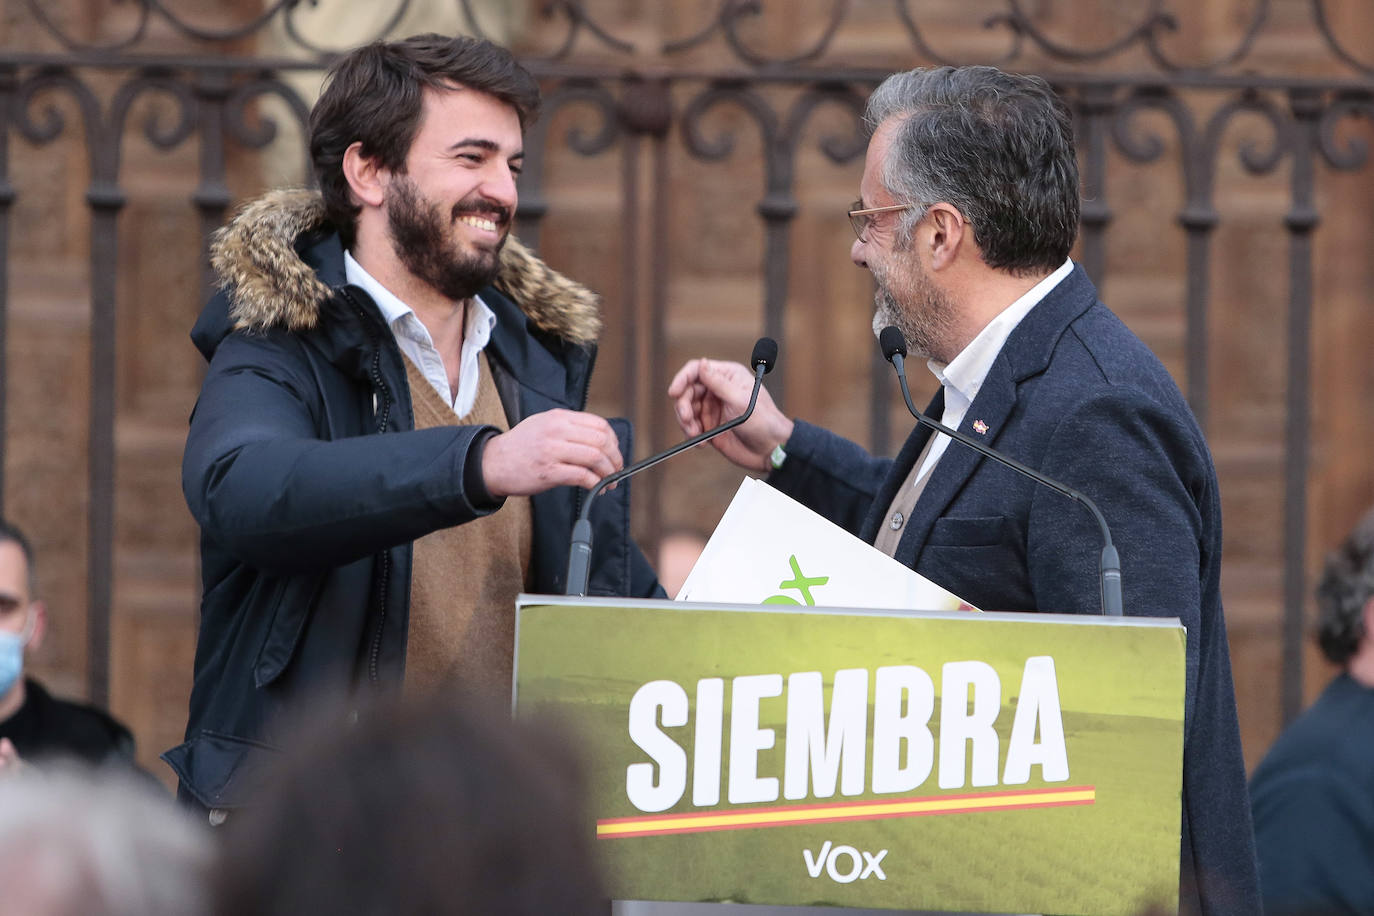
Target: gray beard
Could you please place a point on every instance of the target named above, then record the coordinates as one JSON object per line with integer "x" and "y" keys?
{"x": 926, "y": 326}
{"x": 887, "y": 314}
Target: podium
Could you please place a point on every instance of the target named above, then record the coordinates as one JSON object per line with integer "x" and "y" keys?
{"x": 809, "y": 756}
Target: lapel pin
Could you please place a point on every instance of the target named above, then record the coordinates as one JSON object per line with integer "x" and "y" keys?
{"x": 980, "y": 427}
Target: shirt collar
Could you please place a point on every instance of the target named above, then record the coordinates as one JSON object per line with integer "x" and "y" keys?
{"x": 481, "y": 319}
{"x": 966, "y": 372}
{"x": 392, "y": 308}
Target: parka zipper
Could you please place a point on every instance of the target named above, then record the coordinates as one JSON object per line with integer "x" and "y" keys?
{"x": 379, "y": 385}
{"x": 383, "y": 585}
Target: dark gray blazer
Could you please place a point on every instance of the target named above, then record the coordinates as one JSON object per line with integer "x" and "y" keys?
{"x": 1076, "y": 395}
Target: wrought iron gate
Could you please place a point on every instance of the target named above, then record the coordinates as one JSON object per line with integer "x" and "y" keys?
{"x": 1139, "y": 100}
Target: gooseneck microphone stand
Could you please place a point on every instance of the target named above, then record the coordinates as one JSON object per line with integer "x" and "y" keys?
{"x": 580, "y": 553}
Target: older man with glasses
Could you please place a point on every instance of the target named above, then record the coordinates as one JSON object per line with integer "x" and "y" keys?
{"x": 968, "y": 211}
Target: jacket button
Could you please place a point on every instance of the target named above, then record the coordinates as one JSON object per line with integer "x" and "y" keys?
{"x": 897, "y": 519}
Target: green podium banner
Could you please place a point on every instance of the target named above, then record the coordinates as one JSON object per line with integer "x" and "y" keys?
{"x": 811, "y": 756}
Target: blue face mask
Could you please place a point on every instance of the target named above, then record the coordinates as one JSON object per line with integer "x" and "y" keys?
{"x": 12, "y": 656}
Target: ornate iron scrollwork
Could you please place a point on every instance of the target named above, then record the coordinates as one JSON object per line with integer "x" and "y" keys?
{"x": 1028, "y": 34}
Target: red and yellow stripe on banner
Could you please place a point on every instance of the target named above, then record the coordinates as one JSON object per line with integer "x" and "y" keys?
{"x": 793, "y": 815}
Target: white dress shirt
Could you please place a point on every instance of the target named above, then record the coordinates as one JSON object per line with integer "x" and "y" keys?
{"x": 414, "y": 340}
{"x": 963, "y": 377}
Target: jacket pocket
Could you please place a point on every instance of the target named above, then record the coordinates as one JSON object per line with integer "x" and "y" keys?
{"x": 294, "y": 601}
{"x": 971, "y": 532}
{"x": 221, "y": 771}
{"x": 982, "y": 560}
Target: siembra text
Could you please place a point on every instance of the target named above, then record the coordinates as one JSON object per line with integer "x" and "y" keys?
{"x": 819, "y": 756}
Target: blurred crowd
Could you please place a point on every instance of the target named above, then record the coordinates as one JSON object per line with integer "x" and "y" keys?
{"x": 429, "y": 805}
{"x": 418, "y": 806}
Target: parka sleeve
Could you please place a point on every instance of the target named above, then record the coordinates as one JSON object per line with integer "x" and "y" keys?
{"x": 264, "y": 485}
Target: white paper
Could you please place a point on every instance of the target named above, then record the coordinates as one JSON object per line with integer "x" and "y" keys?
{"x": 770, "y": 549}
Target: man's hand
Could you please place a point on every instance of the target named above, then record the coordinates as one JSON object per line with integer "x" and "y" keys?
{"x": 708, "y": 393}
{"x": 550, "y": 449}
{"x": 10, "y": 764}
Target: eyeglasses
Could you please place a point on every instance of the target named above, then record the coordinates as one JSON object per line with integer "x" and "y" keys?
{"x": 861, "y": 217}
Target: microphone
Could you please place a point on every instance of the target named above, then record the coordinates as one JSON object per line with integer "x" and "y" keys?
{"x": 894, "y": 351}
{"x": 580, "y": 552}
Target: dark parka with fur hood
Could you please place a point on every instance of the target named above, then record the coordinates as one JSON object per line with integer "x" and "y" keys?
{"x": 309, "y": 481}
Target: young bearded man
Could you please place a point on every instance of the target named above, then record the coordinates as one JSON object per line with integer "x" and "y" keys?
{"x": 390, "y": 440}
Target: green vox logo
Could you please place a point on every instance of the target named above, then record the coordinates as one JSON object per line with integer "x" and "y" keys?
{"x": 801, "y": 583}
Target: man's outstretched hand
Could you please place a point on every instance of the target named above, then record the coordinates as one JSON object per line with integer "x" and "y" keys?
{"x": 708, "y": 392}
{"x": 550, "y": 449}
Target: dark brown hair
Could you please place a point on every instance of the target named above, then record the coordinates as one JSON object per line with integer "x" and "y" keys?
{"x": 428, "y": 805}
{"x": 1346, "y": 586}
{"x": 10, "y": 533}
{"x": 375, "y": 95}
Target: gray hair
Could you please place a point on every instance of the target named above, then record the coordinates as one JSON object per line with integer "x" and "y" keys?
{"x": 996, "y": 145}
{"x": 1346, "y": 586}
{"x": 75, "y": 840}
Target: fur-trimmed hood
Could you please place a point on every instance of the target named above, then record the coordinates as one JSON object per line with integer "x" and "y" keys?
{"x": 269, "y": 285}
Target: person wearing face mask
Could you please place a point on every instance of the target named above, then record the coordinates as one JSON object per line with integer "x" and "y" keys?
{"x": 33, "y": 723}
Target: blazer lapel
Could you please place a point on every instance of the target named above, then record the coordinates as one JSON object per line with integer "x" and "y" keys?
{"x": 1027, "y": 352}
{"x": 990, "y": 408}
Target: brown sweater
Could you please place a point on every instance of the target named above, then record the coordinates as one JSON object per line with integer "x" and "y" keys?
{"x": 464, "y": 579}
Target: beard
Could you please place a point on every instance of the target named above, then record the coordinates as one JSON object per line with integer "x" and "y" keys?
{"x": 425, "y": 244}
{"x": 906, "y": 299}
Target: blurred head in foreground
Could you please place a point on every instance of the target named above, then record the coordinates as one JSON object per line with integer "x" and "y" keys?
{"x": 77, "y": 841}
{"x": 424, "y": 806}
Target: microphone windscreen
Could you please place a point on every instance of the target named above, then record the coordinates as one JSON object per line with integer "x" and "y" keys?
{"x": 892, "y": 342}
{"x": 765, "y": 353}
